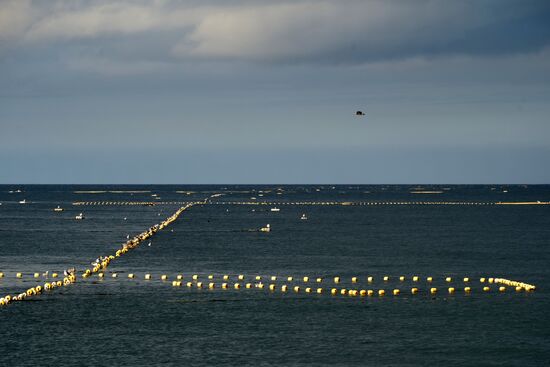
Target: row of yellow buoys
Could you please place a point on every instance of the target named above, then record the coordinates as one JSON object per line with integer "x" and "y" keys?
{"x": 103, "y": 264}
{"x": 345, "y": 203}
{"x": 147, "y": 203}
{"x": 335, "y": 280}
{"x": 210, "y": 284}
{"x": 353, "y": 203}
{"x": 333, "y": 291}
{"x": 33, "y": 291}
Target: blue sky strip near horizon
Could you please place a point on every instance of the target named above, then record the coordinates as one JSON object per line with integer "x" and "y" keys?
{"x": 265, "y": 92}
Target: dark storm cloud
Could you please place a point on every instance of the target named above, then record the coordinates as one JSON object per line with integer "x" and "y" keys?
{"x": 345, "y": 31}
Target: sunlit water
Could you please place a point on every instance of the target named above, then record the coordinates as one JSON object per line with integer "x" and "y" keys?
{"x": 136, "y": 322}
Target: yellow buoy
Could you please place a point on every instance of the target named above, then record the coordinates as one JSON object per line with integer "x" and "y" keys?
{"x": 429, "y": 279}
{"x": 369, "y": 279}
{"x": 37, "y": 275}
{"x": 401, "y": 278}
{"x": 289, "y": 279}
{"x": 519, "y": 289}
{"x": 211, "y": 285}
{"x": 381, "y": 292}
{"x": 175, "y": 283}
{"x": 448, "y": 279}
{"x": 319, "y": 290}
{"x": 482, "y": 280}
{"x": 189, "y": 284}
{"x": 101, "y": 275}
{"x": 147, "y": 276}
{"x": 258, "y": 277}
{"x": 502, "y": 289}
{"x": 114, "y": 275}
{"x": 1, "y": 275}
{"x": 354, "y": 279}
{"x": 179, "y": 277}
{"x": 370, "y": 292}
{"x": 248, "y": 285}
{"x": 308, "y": 290}
{"x": 451, "y": 290}
{"x": 386, "y": 278}
{"x": 226, "y": 277}
{"x": 195, "y": 276}
{"x": 466, "y": 280}
{"x": 343, "y": 291}
{"x": 19, "y": 275}
{"x": 306, "y": 279}
{"x": 224, "y": 285}
{"x": 163, "y": 277}
{"x": 273, "y": 278}
{"x": 199, "y": 284}
{"x": 467, "y": 289}
{"x": 333, "y": 291}
{"x": 414, "y": 290}
{"x": 336, "y": 280}
{"x": 491, "y": 280}
{"x": 396, "y": 292}
{"x": 319, "y": 280}
{"x": 362, "y": 293}
{"x": 486, "y": 289}
{"x": 433, "y": 290}
{"x": 240, "y": 277}
{"x": 284, "y": 288}
{"x": 272, "y": 287}
{"x": 415, "y": 278}
{"x": 210, "y": 276}
{"x": 131, "y": 276}
{"x": 297, "y": 288}
{"x": 260, "y": 285}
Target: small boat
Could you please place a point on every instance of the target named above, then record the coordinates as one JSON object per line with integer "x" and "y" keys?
{"x": 23, "y": 201}
{"x": 304, "y": 217}
{"x": 267, "y": 228}
{"x": 58, "y": 209}
{"x": 79, "y": 216}
{"x": 275, "y": 209}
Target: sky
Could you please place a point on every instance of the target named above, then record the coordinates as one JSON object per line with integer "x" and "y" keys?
{"x": 237, "y": 92}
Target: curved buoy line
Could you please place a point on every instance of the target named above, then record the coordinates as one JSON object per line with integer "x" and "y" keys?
{"x": 70, "y": 278}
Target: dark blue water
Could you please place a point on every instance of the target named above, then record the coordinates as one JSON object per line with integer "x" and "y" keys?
{"x": 136, "y": 322}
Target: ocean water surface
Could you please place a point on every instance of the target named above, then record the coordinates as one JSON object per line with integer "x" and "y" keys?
{"x": 138, "y": 322}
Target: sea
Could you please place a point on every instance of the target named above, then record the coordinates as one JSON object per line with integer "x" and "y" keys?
{"x": 446, "y": 232}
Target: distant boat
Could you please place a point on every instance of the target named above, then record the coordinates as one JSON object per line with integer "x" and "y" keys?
{"x": 23, "y": 201}
{"x": 79, "y": 216}
{"x": 275, "y": 209}
{"x": 58, "y": 209}
{"x": 304, "y": 217}
{"x": 267, "y": 228}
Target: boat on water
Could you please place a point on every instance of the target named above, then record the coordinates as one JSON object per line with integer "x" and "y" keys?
{"x": 303, "y": 217}
{"x": 79, "y": 216}
{"x": 267, "y": 228}
{"x": 58, "y": 209}
{"x": 24, "y": 201}
{"x": 275, "y": 209}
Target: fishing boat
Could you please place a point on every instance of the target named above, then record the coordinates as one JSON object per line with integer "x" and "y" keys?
{"x": 275, "y": 209}
{"x": 267, "y": 228}
{"x": 23, "y": 201}
{"x": 304, "y": 217}
{"x": 58, "y": 209}
{"x": 79, "y": 216}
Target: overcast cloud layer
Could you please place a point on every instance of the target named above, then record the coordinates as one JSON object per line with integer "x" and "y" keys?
{"x": 275, "y": 80}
